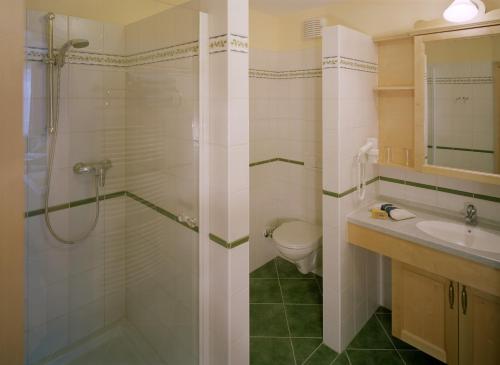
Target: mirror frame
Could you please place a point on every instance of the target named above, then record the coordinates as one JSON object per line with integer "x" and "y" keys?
{"x": 420, "y": 106}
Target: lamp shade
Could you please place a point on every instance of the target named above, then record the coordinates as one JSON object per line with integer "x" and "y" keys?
{"x": 461, "y": 11}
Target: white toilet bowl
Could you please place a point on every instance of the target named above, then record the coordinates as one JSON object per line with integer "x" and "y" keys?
{"x": 299, "y": 242}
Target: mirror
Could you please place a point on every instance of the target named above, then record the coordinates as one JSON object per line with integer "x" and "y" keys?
{"x": 462, "y": 98}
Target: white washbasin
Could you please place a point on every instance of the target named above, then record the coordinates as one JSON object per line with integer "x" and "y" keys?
{"x": 460, "y": 234}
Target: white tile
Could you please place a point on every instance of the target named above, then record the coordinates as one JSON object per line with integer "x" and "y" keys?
{"x": 86, "y": 320}
{"x": 113, "y": 39}
{"x": 91, "y": 30}
{"x": 36, "y": 29}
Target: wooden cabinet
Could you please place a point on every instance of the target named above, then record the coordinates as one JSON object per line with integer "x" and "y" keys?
{"x": 424, "y": 312}
{"x": 454, "y": 323}
{"x": 445, "y": 305}
{"x": 479, "y": 324}
{"x": 395, "y": 93}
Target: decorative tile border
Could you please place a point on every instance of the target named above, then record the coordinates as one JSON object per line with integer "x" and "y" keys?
{"x": 461, "y": 149}
{"x": 460, "y": 80}
{"x": 225, "y": 43}
{"x": 285, "y": 75}
{"x": 185, "y": 50}
{"x": 349, "y": 64}
{"x": 277, "y": 159}
{"x": 229, "y": 245}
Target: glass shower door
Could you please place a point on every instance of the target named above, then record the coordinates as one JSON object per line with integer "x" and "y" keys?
{"x": 128, "y": 292}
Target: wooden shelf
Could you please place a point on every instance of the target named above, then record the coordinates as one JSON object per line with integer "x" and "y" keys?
{"x": 395, "y": 88}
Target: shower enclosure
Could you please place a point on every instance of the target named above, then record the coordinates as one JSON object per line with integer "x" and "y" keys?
{"x": 113, "y": 129}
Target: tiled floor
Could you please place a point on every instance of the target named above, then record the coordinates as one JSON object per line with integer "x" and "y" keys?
{"x": 286, "y": 319}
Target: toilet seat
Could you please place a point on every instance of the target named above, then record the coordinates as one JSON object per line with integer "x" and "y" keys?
{"x": 297, "y": 235}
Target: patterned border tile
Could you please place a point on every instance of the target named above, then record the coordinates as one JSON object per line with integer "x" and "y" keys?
{"x": 285, "y": 75}
{"x": 347, "y": 63}
{"x": 229, "y": 245}
{"x": 460, "y": 80}
{"x": 225, "y": 43}
{"x": 185, "y": 50}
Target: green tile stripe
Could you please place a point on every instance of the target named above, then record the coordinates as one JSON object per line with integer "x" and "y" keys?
{"x": 347, "y": 192}
{"x": 461, "y": 149}
{"x": 443, "y": 189}
{"x": 226, "y": 244}
{"x": 73, "y": 204}
{"x": 263, "y": 162}
{"x": 81, "y": 202}
{"x": 160, "y": 210}
{"x": 277, "y": 159}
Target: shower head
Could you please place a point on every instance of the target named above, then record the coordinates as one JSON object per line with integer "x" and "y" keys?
{"x": 72, "y": 43}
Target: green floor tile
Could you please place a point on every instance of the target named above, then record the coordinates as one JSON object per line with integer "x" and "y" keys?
{"x": 416, "y": 357}
{"x": 301, "y": 291}
{"x": 374, "y": 357}
{"x": 265, "y": 291}
{"x": 322, "y": 356}
{"x": 371, "y": 336}
{"x": 288, "y": 270}
{"x": 386, "y": 320}
{"x": 319, "y": 280}
{"x": 341, "y": 360}
{"x": 305, "y": 320}
{"x": 266, "y": 271}
{"x": 303, "y": 347}
{"x": 268, "y": 320}
{"x": 271, "y": 351}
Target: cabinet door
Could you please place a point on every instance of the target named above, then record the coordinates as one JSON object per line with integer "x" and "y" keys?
{"x": 425, "y": 311}
{"x": 479, "y": 327}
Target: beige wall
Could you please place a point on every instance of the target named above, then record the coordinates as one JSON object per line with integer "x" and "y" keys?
{"x": 480, "y": 49}
{"x": 113, "y": 11}
{"x": 376, "y": 18}
{"x": 11, "y": 183}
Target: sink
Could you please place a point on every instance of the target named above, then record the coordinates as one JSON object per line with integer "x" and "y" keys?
{"x": 462, "y": 235}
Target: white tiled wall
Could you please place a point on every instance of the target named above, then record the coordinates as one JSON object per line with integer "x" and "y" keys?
{"x": 136, "y": 263}
{"x": 349, "y": 117}
{"x": 74, "y": 290}
{"x": 161, "y": 255}
{"x": 285, "y": 122}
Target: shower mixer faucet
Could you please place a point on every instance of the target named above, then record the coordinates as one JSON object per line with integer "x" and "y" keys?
{"x": 98, "y": 169}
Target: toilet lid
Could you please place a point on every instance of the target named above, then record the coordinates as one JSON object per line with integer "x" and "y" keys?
{"x": 297, "y": 234}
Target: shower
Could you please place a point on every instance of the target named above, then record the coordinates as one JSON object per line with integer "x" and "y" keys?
{"x": 55, "y": 62}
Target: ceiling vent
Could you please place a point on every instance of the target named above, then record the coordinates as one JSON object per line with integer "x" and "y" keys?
{"x": 313, "y": 27}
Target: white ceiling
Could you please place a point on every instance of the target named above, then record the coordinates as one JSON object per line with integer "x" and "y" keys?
{"x": 277, "y": 7}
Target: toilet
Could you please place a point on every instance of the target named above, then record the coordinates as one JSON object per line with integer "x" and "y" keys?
{"x": 299, "y": 242}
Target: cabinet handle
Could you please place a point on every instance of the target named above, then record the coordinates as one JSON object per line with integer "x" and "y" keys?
{"x": 451, "y": 294}
{"x": 464, "y": 300}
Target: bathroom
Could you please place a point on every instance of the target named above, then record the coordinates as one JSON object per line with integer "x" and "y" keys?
{"x": 250, "y": 182}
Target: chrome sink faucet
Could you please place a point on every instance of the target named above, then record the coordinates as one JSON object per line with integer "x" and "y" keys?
{"x": 470, "y": 214}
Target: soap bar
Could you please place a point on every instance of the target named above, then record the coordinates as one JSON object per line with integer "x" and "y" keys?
{"x": 379, "y": 214}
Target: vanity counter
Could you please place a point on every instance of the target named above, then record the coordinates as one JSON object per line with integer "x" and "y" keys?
{"x": 407, "y": 230}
